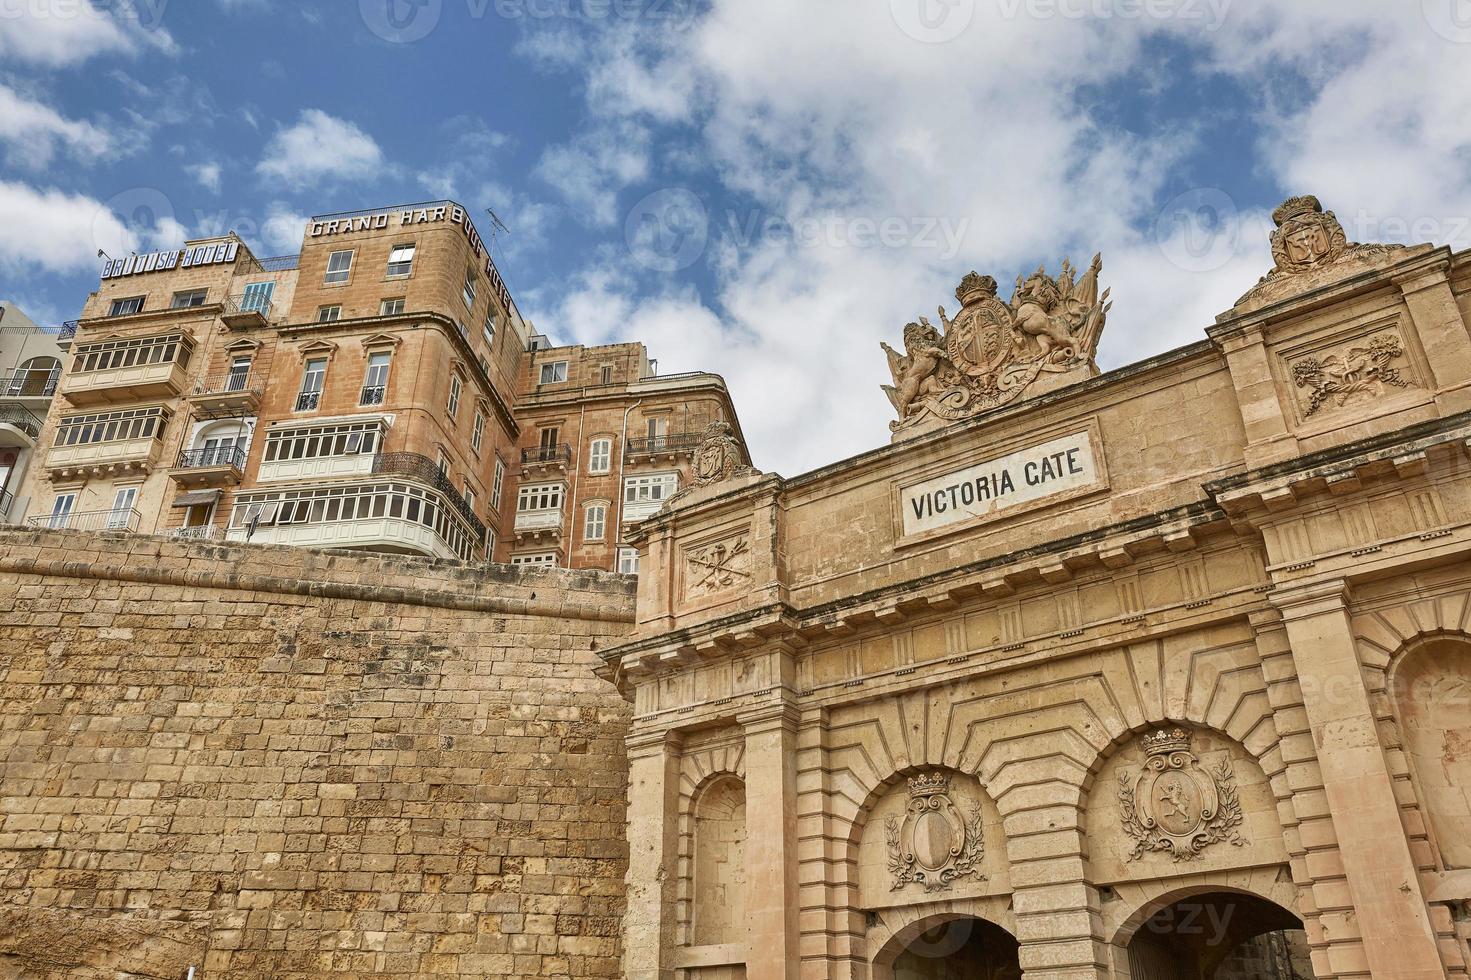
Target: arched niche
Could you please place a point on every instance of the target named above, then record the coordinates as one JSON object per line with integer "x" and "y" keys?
{"x": 930, "y": 835}
{"x": 719, "y": 886}
{"x": 1430, "y": 685}
{"x": 1175, "y": 799}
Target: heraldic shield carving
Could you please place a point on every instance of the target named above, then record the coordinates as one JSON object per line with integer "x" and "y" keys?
{"x": 1174, "y": 803}
{"x": 935, "y": 843}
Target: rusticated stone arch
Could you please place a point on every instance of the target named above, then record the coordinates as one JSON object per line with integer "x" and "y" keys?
{"x": 702, "y": 766}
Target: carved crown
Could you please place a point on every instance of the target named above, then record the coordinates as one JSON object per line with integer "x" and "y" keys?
{"x": 974, "y": 283}
{"x": 1167, "y": 740}
{"x": 1295, "y": 207}
{"x": 928, "y": 784}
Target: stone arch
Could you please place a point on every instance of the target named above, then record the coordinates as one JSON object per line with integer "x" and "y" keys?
{"x": 717, "y": 879}
{"x": 899, "y": 929}
{"x": 701, "y": 768}
{"x": 1428, "y": 685}
{"x": 1140, "y": 903}
{"x": 1091, "y": 805}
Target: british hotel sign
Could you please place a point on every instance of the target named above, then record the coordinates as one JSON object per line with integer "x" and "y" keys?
{"x": 1065, "y": 466}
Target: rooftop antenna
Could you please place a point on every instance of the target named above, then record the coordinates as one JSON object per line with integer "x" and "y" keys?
{"x": 496, "y": 227}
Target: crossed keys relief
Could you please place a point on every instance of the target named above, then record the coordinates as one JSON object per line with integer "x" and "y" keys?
{"x": 718, "y": 566}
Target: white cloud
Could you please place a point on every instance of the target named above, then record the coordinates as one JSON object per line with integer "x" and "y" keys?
{"x": 34, "y": 132}
{"x": 590, "y": 171}
{"x": 58, "y": 35}
{"x": 52, "y": 231}
{"x": 998, "y": 130}
{"x": 318, "y": 147}
{"x": 207, "y": 175}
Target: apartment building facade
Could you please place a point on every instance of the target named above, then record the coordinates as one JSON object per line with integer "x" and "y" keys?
{"x": 30, "y": 367}
{"x": 368, "y": 393}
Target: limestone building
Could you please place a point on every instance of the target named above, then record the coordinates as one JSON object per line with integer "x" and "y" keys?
{"x": 1155, "y": 674}
{"x": 378, "y": 391}
{"x": 1159, "y": 674}
{"x": 30, "y": 365}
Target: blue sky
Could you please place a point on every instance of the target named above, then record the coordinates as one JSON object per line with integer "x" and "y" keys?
{"x": 766, "y": 188}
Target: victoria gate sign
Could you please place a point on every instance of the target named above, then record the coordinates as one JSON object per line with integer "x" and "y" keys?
{"x": 1066, "y": 465}
{"x": 409, "y": 217}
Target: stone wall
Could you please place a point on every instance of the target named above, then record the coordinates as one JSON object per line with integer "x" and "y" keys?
{"x": 267, "y": 762}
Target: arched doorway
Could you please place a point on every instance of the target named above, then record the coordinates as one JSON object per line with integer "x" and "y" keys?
{"x": 1220, "y": 936}
{"x": 955, "y": 947}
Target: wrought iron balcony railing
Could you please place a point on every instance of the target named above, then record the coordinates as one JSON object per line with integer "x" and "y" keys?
{"x": 422, "y": 468}
{"x": 94, "y": 520}
{"x": 22, "y": 418}
{"x": 308, "y": 401}
{"x": 373, "y": 395}
{"x": 213, "y": 456}
{"x": 6, "y": 499}
{"x": 68, "y": 330}
{"x": 29, "y": 384}
{"x": 201, "y": 532}
{"x": 228, "y": 384}
{"x": 243, "y": 305}
{"x": 547, "y": 454}
{"x": 680, "y": 443}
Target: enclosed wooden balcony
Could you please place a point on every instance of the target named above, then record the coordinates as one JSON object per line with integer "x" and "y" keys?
{"x": 112, "y": 371}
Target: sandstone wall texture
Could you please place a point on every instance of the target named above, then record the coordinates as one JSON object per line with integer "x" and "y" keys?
{"x": 268, "y": 762}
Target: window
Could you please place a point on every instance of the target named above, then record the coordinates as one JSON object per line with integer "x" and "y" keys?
{"x": 468, "y": 294}
{"x": 110, "y": 354}
{"x": 442, "y": 462}
{"x": 455, "y": 388}
{"x": 488, "y": 330}
{"x": 257, "y": 297}
{"x": 535, "y": 561}
{"x": 596, "y": 523}
{"x": 339, "y": 267}
{"x": 119, "y": 517}
{"x": 549, "y": 438}
{"x": 628, "y": 561}
{"x": 498, "y": 484}
{"x": 600, "y": 456}
{"x": 477, "y": 431}
{"x": 490, "y": 544}
{"x": 545, "y": 496}
{"x": 554, "y": 373}
{"x": 126, "y": 307}
{"x": 329, "y": 314}
{"x": 391, "y": 307}
{"x": 605, "y": 374}
{"x": 239, "y": 374}
{"x": 375, "y": 382}
{"x": 401, "y": 261}
{"x": 469, "y": 495}
{"x": 322, "y": 441}
{"x": 189, "y": 298}
{"x": 124, "y": 426}
{"x": 61, "y": 510}
{"x": 646, "y": 489}
{"x": 658, "y": 433}
{"x": 312, "y": 379}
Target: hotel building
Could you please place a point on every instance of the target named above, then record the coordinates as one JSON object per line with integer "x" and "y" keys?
{"x": 379, "y": 391}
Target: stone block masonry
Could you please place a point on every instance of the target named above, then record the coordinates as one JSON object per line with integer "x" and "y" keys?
{"x": 270, "y": 762}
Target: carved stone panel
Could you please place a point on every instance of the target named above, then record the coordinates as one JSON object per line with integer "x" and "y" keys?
{"x": 714, "y": 569}
{"x": 1359, "y": 372}
{"x": 1173, "y": 804}
{"x": 935, "y": 835}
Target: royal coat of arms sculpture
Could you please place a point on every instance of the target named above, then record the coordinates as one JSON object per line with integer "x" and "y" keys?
{"x": 934, "y": 843}
{"x": 993, "y": 351}
{"x": 1175, "y": 804}
{"x": 1310, "y": 248}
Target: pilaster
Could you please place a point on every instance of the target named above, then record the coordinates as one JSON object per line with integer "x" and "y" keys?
{"x": 1373, "y": 852}
{"x": 772, "y": 888}
{"x": 653, "y": 823}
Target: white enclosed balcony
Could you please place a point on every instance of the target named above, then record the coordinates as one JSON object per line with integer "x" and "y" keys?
{"x": 129, "y": 370}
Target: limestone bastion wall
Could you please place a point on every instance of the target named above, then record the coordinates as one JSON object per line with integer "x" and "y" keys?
{"x": 269, "y": 762}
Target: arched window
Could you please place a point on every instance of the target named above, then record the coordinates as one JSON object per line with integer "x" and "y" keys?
{"x": 600, "y": 456}
{"x": 595, "y": 526}
{"x": 35, "y": 378}
{"x": 218, "y": 443}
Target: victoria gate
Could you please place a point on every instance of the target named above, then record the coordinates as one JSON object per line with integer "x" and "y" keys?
{"x": 1161, "y": 673}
